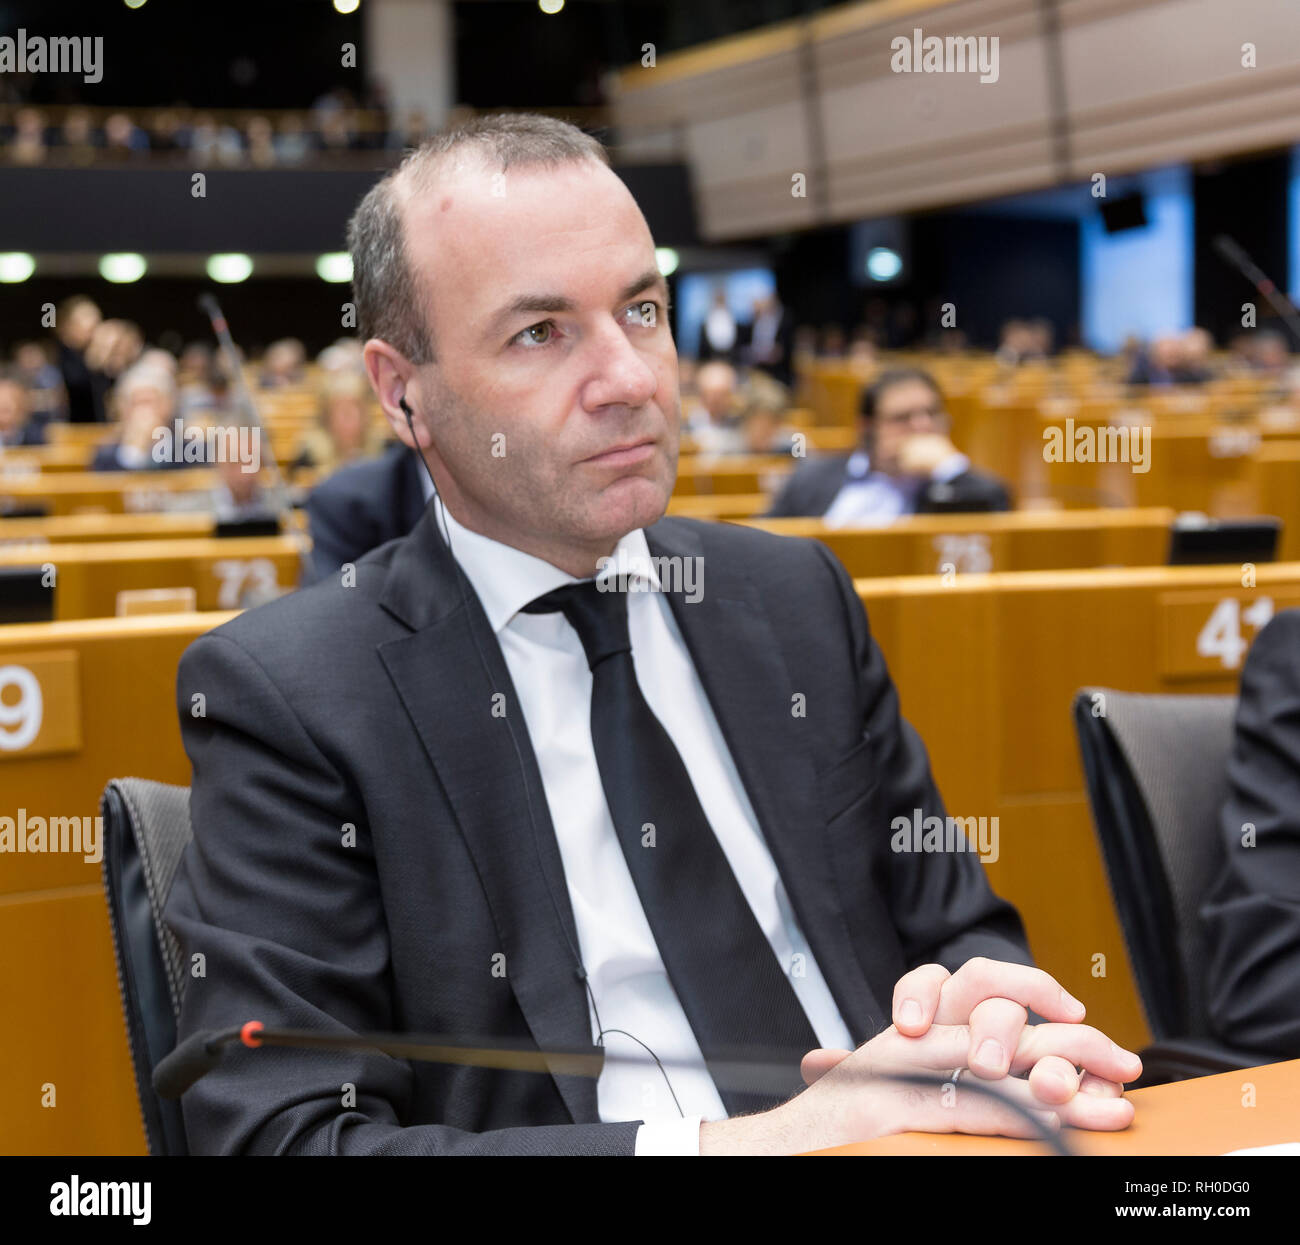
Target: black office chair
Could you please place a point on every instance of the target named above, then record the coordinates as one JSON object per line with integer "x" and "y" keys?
{"x": 1156, "y": 772}
{"x": 146, "y": 828}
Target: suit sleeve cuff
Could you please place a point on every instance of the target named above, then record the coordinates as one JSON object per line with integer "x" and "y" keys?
{"x": 670, "y": 1138}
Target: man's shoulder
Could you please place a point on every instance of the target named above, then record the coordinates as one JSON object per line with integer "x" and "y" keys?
{"x": 372, "y": 478}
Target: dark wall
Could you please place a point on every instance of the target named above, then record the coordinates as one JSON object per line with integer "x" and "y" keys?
{"x": 259, "y": 311}
{"x": 265, "y": 211}
{"x": 997, "y": 268}
{"x": 236, "y": 54}
{"x": 992, "y": 268}
{"x": 1247, "y": 200}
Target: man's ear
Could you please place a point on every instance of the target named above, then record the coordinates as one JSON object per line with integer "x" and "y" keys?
{"x": 391, "y": 374}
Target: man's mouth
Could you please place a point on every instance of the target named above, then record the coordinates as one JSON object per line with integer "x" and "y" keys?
{"x": 624, "y": 455}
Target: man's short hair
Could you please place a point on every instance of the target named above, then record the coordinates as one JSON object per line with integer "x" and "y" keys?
{"x": 872, "y": 394}
{"x": 385, "y": 290}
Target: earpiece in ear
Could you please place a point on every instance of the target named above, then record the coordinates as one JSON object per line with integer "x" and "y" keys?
{"x": 406, "y": 410}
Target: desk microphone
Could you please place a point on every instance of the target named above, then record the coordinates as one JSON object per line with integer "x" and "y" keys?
{"x": 201, "y": 1052}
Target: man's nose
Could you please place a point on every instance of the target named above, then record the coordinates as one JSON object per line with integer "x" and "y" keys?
{"x": 621, "y": 374}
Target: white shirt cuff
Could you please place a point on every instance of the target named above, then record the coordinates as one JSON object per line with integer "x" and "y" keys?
{"x": 670, "y": 1138}
{"x": 951, "y": 467}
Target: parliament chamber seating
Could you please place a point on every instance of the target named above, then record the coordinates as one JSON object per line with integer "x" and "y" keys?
{"x": 990, "y": 623}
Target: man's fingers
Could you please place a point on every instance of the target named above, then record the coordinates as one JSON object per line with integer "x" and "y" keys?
{"x": 1102, "y": 1114}
{"x": 1099, "y": 1087}
{"x": 816, "y": 1063}
{"x": 995, "y": 1027}
{"x": 981, "y": 979}
{"x": 1053, "y": 1080}
{"x": 916, "y": 997}
{"x": 1082, "y": 1045}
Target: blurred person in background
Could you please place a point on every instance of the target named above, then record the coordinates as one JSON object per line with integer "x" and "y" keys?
{"x": 905, "y": 463}
{"x": 768, "y": 339}
{"x": 45, "y": 392}
{"x": 195, "y": 360}
{"x": 75, "y": 322}
{"x": 144, "y": 402}
{"x": 719, "y": 334}
{"x": 261, "y": 143}
{"x": 123, "y": 139}
{"x": 213, "y": 143}
{"x": 713, "y": 419}
{"x": 16, "y": 425}
{"x": 293, "y": 144}
{"x": 345, "y": 431}
{"x": 283, "y": 364}
{"x": 28, "y": 145}
{"x": 77, "y": 140}
{"x": 239, "y": 495}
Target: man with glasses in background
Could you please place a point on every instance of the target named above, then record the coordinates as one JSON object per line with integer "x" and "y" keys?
{"x": 904, "y": 463}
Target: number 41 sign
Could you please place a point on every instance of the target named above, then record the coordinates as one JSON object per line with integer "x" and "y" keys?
{"x": 1206, "y": 634}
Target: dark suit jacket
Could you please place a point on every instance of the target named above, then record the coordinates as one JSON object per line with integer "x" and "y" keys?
{"x": 813, "y": 486}
{"x": 362, "y": 507}
{"x": 368, "y": 707}
{"x": 1252, "y": 913}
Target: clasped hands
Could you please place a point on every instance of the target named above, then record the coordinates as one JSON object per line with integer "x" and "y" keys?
{"x": 976, "y": 1018}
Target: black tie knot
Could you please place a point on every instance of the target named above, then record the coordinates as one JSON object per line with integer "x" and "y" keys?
{"x": 597, "y": 613}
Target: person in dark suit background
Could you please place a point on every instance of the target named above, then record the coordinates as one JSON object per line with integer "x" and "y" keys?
{"x": 16, "y": 424}
{"x": 904, "y": 464}
{"x": 401, "y": 821}
{"x": 1251, "y": 916}
{"x": 363, "y": 505}
{"x": 767, "y": 340}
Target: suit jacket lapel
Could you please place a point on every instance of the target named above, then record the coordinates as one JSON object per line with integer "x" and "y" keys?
{"x": 447, "y": 688}
{"x": 738, "y": 659}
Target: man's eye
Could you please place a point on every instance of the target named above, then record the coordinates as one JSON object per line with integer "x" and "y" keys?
{"x": 646, "y": 313}
{"x": 527, "y": 337}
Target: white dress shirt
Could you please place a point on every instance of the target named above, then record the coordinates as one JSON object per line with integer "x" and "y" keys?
{"x": 549, "y": 668}
{"x": 870, "y": 498}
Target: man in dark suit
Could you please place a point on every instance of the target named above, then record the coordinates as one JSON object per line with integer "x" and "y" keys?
{"x": 1252, "y": 914}
{"x": 905, "y": 463}
{"x": 16, "y": 424}
{"x": 558, "y": 773}
{"x": 362, "y": 506}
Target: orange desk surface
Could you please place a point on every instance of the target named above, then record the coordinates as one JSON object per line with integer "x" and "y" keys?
{"x": 1204, "y": 1116}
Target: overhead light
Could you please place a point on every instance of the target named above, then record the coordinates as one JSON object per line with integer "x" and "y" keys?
{"x": 550, "y": 6}
{"x": 336, "y": 266}
{"x": 122, "y": 268}
{"x": 134, "y": 4}
{"x": 16, "y": 266}
{"x": 883, "y": 263}
{"x": 346, "y": 6}
{"x": 229, "y": 269}
{"x": 667, "y": 259}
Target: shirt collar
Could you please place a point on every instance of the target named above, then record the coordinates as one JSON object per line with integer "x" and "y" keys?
{"x": 858, "y": 466}
{"x": 506, "y": 578}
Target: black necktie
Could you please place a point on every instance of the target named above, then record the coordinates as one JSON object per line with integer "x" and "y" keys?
{"x": 740, "y": 1004}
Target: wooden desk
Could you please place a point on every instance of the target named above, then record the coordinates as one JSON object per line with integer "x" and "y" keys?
{"x": 223, "y": 572}
{"x": 1204, "y": 1116}
{"x": 1019, "y": 540}
{"x": 114, "y": 492}
{"x": 106, "y": 709}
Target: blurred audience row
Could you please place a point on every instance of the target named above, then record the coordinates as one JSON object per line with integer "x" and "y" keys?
{"x": 334, "y": 127}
